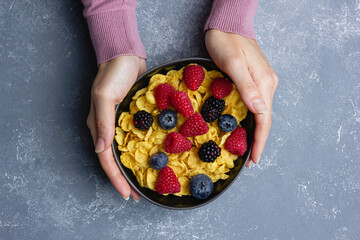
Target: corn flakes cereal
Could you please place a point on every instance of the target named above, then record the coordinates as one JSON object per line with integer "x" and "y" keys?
{"x": 119, "y": 136}
{"x": 151, "y": 176}
{"x": 185, "y": 189}
{"x": 150, "y": 97}
{"x": 137, "y": 146}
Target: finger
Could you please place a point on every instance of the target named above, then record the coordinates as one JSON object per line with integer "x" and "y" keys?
{"x": 249, "y": 163}
{"x": 91, "y": 122}
{"x": 105, "y": 122}
{"x": 263, "y": 78}
{"x": 248, "y": 90}
{"x": 263, "y": 123}
{"x": 111, "y": 169}
{"x": 135, "y": 195}
{"x": 108, "y": 163}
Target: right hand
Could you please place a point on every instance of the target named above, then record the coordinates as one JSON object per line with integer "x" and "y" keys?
{"x": 113, "y": 81}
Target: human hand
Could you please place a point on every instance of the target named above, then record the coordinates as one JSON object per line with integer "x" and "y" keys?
{"x": 242, "y": 59}
{"x": 113, "y": 81}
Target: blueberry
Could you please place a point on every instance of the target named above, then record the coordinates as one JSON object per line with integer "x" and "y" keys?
{"x": 168, "y": 119}
{"x": 227, "y": 122}
{"x": 201, "y": 186}
{"x": 158, "y": 160}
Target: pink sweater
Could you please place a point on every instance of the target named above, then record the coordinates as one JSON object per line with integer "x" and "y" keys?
{"x": 113, "y": 27}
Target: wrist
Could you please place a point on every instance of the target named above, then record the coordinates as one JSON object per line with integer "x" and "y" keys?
{"x": 124, "y": 62}
{"x": 120, "y": 60}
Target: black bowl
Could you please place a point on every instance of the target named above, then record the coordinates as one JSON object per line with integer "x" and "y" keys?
{"x": 171, "y": 201}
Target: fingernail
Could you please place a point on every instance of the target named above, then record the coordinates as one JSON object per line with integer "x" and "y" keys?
{"x": 99, "y": 147}
{"x": 127, "y": 198}
{"x": 258, "y": 159}
{"x": 136, "y": 200}
{"x": 250, "y": 163}
{"x": 259, "y": 106}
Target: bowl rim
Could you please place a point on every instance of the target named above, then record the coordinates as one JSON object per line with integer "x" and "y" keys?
{"x": 119, "y": 164}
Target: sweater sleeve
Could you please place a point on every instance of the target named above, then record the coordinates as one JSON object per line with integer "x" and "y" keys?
{"x": 113, "y": 28}
{"x": 234, "y": 16}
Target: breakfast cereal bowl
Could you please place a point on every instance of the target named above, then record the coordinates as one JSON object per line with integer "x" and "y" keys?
{"x": 187, "y": 201}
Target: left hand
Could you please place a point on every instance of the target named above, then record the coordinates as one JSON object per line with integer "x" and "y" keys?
{"x": 242, "y": 59}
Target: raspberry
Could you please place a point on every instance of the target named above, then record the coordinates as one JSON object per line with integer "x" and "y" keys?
{"x": 167, "y": 181}
{"x": 181, "y": 101}
{"x": 193, "y": 76}
{"x": 212, "y": 109}
{"x": 221, "y": 88}
{"x": 209, "y": 151}
{"x": 163, "y": 93}
{"x": 194, "y": 126}
{"x": 176, "y": 143}
{"x": 236, "y": 143}
{"x": 143, "y": 120}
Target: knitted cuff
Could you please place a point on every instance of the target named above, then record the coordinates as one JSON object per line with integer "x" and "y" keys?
{"x": 114, "y": 34}
{"x": 234, "y": 16}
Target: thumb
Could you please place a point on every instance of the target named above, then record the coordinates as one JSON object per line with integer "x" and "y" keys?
{"x": 105, "y": 123}
{"x": 248, "y": 90}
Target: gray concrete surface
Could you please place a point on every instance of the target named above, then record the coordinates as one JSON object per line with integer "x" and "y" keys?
{"x": 307, "y": 185}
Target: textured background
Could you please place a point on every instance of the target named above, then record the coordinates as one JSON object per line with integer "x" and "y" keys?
{"x": 307, "y": 185}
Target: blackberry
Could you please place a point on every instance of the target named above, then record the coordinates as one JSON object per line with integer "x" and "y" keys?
{"x": 143, "y": 120}
{"x": 209, "y": 151}
{"x": 212, "y": 109}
